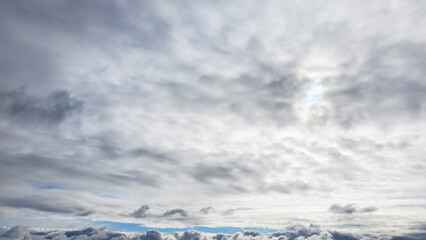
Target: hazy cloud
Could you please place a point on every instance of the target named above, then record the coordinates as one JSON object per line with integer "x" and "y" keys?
{"x": 207, "y": 210}
{"x": 369, "y": 209}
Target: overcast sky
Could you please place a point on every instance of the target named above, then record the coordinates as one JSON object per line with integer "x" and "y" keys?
{"x": 263, "y": 114}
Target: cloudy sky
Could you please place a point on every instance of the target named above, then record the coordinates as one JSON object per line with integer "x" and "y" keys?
{"x": 221, "y": 114}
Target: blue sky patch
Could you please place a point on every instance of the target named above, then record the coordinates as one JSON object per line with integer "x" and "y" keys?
{"x": 135, "y": 227}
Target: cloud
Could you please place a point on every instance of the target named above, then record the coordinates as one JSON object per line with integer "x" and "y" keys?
{"x": 189, "y": 235}
{"x": 368, "y": 100}
{"x": 233, "y": 210}
{"x": 68, "y": 168}
{"x": 149, "y": 153}
{"x": 207, "y": 210}
{"x": 206, "y": 173}
{"x": 350, "y": 209}
{"x": 290, "y": 187}
{"x": 252, "y": 233}
{"x": 277, "y": 106}
{"x": 177, "y": 211}
{"x": 347, "y": 209}
{"x": 152, "y": 235}
{"x": 45, "y": 205}
{"x": 35, "y": 111}
{"x": 296, "y": 233}
{"x": 16, "y": 232}
{"x": 369, "y": 209}
{"x": 141, "y": 212}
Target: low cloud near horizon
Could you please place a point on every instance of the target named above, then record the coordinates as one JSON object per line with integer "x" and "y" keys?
{"x": 295, "y": 233}
{"x": 251, "y": 114}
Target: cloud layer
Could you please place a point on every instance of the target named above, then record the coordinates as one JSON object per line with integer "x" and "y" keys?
{"x": 295, "y": 233}
{"x": 241, "y": 114}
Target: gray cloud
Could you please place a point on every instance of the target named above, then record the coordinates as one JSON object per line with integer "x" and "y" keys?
{"x": 262, "y": 104}
{"x": 347, "y": 209}
{"x": 350, "y": 209}
{"x": 290, "y": 187}
{"x": 370, "y": 100}
{"x": 141, "y": 212}
{"x": 28, "y": 61}
{"x": 233, "y": 210}
{"x": 189, "y": 235}
{"x": 151, "y": 154}
{"x": 19, "y": 164}
{"x": 174, "y": 212}
{"x": 45, "y": 205}
{"x": 297, "y": 232}
{"x": 207, "y": 210}
{"x": 152, "y": 235}
{"x": 52, "y": 110}
{"x": 369, "y": 209}
{"x": 205, "y": 173}
{"x": 252, "y": 233}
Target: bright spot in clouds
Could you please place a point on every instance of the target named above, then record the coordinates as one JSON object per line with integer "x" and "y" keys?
{"x": 314, "y": 92}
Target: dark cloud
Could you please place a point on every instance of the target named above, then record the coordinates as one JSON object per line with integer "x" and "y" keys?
{"x": 190, "y": 235}
{"x": 350, "y": 209}
{"x": 141, "y": 212}
{"x": 84, "y": 232}
{"x": 35, "y": 111}
{"x": 413, "y": 236}
{"x": 342, "y": 236}
{"x": 174, "y": 212}
{"x": 152, "y": 235}
{"x": 221, "y": 236}
{"x": 347, "y": 209}
{"x": 252, "y": 233}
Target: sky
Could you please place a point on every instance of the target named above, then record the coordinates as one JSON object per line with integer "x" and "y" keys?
{"x": 213, "y": 115}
